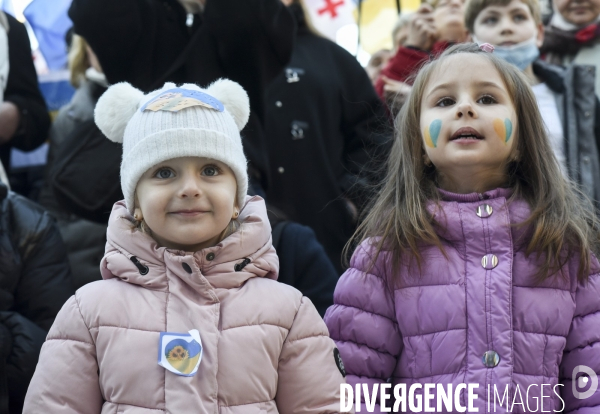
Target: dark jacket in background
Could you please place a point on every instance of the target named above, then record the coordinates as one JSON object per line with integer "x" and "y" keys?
{"x": 147, "y": 43}
{"x": 22, "y": 89}
{"x": 35, "y": 281}
{"x": 324, "y": 124}
{"x": 85, "y": 240}
{"x": 579, "y": 110}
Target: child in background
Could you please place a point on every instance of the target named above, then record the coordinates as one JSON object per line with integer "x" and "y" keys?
{"x": 431, "y": 29}
{"x": 573, "y": 35}
{"x": 477, "y": 258}
{"x": 189, "y": 276}
{"x": 565, "y": 96}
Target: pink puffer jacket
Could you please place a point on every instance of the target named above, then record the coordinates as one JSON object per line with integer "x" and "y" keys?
{"x": 265, "y": 348}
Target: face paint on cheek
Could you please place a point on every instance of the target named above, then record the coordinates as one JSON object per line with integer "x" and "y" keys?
{"x": 503, "y": 128}
{"x": 432, "y": 133}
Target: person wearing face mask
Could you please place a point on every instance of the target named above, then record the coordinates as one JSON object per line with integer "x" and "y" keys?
{"x": 515, "y": 29}
{"x": 573, "y": 35}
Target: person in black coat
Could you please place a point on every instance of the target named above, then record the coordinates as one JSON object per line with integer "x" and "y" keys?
{"x": 149, "y": 42}
{"x": 24, "y": 118}
{"x": 325, "y": 123}
{"x": 35, "y": 281}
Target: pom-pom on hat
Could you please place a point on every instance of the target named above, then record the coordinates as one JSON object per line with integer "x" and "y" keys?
{"x": 173, "y": 122}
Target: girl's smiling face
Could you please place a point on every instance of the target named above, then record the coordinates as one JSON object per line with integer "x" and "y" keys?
{"x": 187, "y": 202}
{"x": 468, "y": 124}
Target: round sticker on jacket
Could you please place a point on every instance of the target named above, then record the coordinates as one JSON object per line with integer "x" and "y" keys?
{"x": 339, "y": 362}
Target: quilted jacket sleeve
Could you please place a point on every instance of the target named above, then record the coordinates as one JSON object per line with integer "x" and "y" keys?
{"x": 362, "y": 322}
{"x": 583, "y": 350}
{"x": 66, "y": 377}
{"x": 309, "y": 379}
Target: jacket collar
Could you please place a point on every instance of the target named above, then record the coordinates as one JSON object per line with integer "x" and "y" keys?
{"x": 473, "y": 197}
{"x": 551, "y": 75}
{"x": 252, "y": 241}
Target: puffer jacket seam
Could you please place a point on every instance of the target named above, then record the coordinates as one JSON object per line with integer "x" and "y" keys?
{"x": 537, "y": 375}
{"x": 421, "y": 286}
{"x": 464, "y": 245}
{"x": 436, "y": 332}
{"x": 541, "y": 333}
{"x": 134, "y": 405}
{"x": 69, "y": 339}
{"x": 586, "y": 315}
{"x": 368, "y": 254}
{"x": 291, "y": 325}
{"x": 366, "y": 311}
{"x": 510, "y": 297}
{"x": 125, "y": 327}
{"x": 255, "y": 324}
{"x": 83, "y": 319}
{"x": 362, "y": 344}
{"x": 577, "y": 348}
{"x": 307, "y": 337}
{"x": 239, "y": 405}
{"x": 166, "y": 330}
{"x": 541, "y": 287}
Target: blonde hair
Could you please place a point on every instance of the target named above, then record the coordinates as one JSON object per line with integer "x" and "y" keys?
{"x": 78, "y": 60}
{"x": 562, "y": 219}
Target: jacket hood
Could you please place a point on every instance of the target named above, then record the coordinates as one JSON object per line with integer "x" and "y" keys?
{"x": 135, "y": 257}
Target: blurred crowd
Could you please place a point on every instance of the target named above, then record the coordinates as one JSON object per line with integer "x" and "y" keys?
{"x": 319, "y": 131}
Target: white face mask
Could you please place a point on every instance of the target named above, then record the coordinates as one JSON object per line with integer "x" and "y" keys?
{"x": 521, "y": 55}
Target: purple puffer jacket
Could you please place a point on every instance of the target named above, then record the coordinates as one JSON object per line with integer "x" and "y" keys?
{"x": 436, "y": 328}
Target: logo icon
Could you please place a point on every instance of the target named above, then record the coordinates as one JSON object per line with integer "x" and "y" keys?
{"x": 583, "y": 380}
{"x": 180, "y": 353}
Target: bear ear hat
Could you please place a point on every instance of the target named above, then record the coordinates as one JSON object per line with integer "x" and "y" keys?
{"x": 115, "y": 108}
{"x": 234, "y": 98}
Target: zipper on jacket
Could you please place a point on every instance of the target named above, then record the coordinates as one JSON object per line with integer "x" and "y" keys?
{"x": 241, "y": 265}
{"x": 143, "y": 269}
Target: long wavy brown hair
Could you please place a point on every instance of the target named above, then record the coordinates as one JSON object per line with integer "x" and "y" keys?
{"x": 563, "y": 221}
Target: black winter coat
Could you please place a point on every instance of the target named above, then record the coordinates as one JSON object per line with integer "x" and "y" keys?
{"x": 147, "y": 42}
{"x": 35, "y": 281}
{"x": 22, "y": 89}
{"x": 325, "y": 123}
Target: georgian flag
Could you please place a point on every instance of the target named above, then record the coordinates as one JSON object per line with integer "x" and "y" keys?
{"x": 327, "y": 16}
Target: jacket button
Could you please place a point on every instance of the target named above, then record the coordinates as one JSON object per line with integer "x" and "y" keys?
{"x": 484, "y": 210}
{"x": 278, "y": 104}
{"x": 490, "y": 359}
{"x": 489, "y": 261}
{"x": 210, "y": 256}
{"x": 280, "y": 170}
{"x": 586, "y": 159}
{"x": 186, "y": 267}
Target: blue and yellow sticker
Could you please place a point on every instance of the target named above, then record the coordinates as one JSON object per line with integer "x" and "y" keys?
{"x": 180, "y": 353}
{"x": 176, "y": 99}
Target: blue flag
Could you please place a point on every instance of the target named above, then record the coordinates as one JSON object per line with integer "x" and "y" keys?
{"x": 50, "y": 23}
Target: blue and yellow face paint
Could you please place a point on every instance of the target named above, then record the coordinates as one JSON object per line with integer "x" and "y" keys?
{"x": 432, "y": 133}
{"x": 503, "y": 129}
{"x": 180, "y": 353}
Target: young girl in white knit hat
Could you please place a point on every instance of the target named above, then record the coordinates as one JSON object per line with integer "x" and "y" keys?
{"x": 189, "y": 317}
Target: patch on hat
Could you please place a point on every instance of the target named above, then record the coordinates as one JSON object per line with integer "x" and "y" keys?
{"x": 339, "y": 362}
{"x": 176, "y": 99}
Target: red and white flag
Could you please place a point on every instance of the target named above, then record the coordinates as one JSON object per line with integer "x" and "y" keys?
{"x": 328, "y": 16}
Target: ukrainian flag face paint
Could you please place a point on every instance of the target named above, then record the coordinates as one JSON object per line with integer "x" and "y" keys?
{"x": 503, "y": 129}
{"x": 432, "y": 133}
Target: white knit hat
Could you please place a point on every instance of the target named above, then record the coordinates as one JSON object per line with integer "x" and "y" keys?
{"x": 175, "y": 122}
